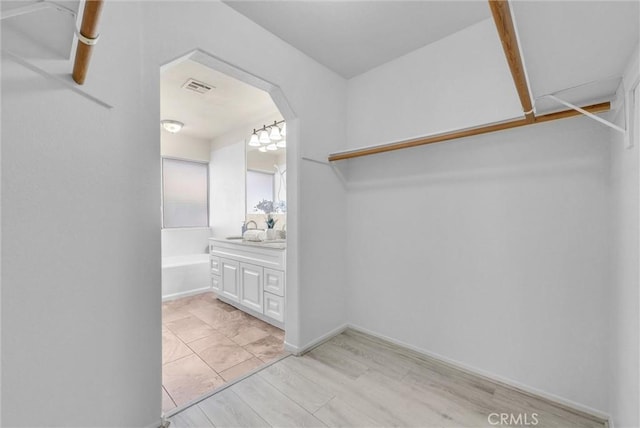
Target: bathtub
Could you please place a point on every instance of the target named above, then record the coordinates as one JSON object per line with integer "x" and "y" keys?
{"x": 185, "y": 275}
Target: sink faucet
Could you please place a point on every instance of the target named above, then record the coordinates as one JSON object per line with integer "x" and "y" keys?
{"x": 245, "y": 226}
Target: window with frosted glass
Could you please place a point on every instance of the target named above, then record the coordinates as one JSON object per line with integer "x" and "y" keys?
{"x": 259, "y": 188}
{"x": 185, "y": 193}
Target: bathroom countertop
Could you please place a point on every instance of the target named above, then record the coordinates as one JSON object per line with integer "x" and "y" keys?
{"x": 277, "y": 244}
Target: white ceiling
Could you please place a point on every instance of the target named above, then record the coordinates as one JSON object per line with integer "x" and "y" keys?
{"x": 351, "y": 37}
{"x": 43, "y": 34}
{"x": 568, "y": 43}
{"x": 231, "y": 105}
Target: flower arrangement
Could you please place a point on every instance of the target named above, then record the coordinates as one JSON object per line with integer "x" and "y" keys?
{"x": 270, "y": 207}
{"x": 271, "y": 222}
{"x": 265, "y": 206}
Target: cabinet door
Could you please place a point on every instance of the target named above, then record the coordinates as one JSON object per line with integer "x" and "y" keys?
{"x": 230, "y": 278}
{"x": 216, "y": 283}
{"x": 274, "y": 306}
{"x": 274, "y": 281}
{"x": 251, "y": 286}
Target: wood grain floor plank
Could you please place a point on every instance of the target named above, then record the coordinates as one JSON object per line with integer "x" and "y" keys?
{"x": 443, "y": 410}
{"x": 550, "y": 415}
{"x": 386, "y": 363}
{"x": 192, "y": 417}
{"x": 354, "y": 380}
{"x": 319, "y": 373}
{"x": 340, "y": 362}
{"x": 311, "y": 396}
{"x": 373, "y": 395}
{"x": 336, "y": 413}
{"x": 226, "y": 409}
{"x": 273, "y": 406}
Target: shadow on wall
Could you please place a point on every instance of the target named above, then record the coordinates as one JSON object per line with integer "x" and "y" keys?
{"x": 481, "y": 158}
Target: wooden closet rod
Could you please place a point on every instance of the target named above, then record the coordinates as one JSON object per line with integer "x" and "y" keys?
{"x": 594, "y": 108}
{"x": 86, "y": 39}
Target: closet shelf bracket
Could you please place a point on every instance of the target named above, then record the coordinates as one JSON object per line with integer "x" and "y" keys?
{"x": 585, "y": 112}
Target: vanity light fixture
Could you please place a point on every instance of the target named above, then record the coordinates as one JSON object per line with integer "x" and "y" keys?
{"x": 172, "y": 126}
{"x": 269, "y": 137}
{"x": 254, "y": 141}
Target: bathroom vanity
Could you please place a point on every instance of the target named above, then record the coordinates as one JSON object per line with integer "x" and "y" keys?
{"x": 250, "y": 276}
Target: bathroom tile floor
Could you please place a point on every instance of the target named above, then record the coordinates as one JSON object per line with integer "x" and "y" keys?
{"x": 206, "y": 343}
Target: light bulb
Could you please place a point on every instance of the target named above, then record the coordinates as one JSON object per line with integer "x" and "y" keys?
{"x": 254, "y": 141}
{"x": 272, "y": 147}
{"x": 282, "y": 144}
{"x": 274, "y": 135}
{"x": 262, "y": 149}
{"x": 283, "y": 131}
{"x": 264, "y": 137}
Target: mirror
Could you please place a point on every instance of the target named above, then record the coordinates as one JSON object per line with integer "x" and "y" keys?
{"x": 266, "y": 180}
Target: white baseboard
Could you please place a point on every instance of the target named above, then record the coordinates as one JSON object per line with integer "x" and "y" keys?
{"x": 157, "y": 424}
{"x": 299, "y": 350}
{"x": 492, "y": 376}
{"x": 185, "y": 294}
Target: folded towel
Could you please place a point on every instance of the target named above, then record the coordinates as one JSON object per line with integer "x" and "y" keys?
{"x": 254, "y": 235}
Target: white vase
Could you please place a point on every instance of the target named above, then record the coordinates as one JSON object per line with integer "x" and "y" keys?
{"x": 271, "y": 234}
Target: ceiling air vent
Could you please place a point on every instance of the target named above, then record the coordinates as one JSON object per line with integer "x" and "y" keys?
{"x": 197, "y": 86}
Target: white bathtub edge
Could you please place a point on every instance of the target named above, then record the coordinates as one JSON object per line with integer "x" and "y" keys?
{"x": 184, "y": 294}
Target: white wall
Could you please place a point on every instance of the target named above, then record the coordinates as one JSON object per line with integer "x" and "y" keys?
{"x": 81, "y": 197}
{"x": 490, "y": 251}
{"x": 81, "y": 248}
{"x": 227, "y": 181}
{"x": 433, "y": 90}
{"x": 624, "y": 360}
{"x": 183, "y": 146}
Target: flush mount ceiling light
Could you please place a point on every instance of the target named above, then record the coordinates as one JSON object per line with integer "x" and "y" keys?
{"x": 172, "y": 126}
{"x": 265, "y": 138}
{"x": 254, "y": 141}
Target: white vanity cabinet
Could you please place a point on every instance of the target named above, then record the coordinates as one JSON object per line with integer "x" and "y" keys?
{"x": 250, "y": 276}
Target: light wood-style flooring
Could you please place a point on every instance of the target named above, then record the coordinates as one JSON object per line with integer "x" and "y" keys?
{"x": 354, "y": 380}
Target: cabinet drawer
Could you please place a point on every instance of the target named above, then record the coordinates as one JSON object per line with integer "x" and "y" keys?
{"x": 216, "y": 282}
{"x": 274, "y": 306}
{"x": 274, "y": 282}
{"x": 214, "y": 264}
